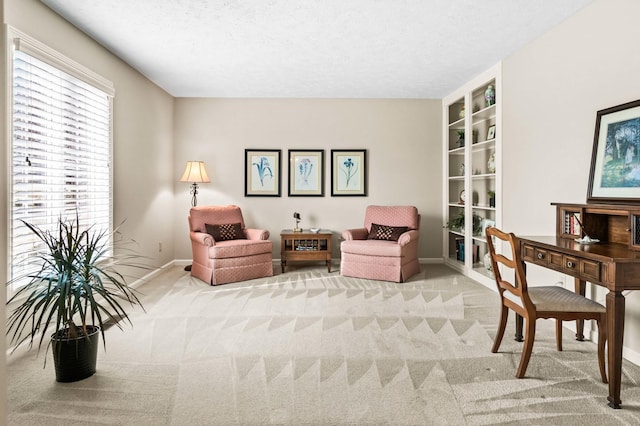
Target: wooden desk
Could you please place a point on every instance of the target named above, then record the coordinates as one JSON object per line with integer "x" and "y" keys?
{"x": 613, "y": 263}
{"x": 305, "y": 246}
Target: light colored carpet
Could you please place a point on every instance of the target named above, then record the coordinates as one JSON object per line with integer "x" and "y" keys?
{"x": 313, "y": 348}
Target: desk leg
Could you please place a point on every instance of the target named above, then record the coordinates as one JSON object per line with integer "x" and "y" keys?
{"x": 615, "y": 333}
{"x": 580, "y": 288}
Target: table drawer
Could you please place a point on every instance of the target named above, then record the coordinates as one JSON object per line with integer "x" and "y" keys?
{"x": 585, "y": 269}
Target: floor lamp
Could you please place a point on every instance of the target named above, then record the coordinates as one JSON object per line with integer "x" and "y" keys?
{"x": 194, "y": 173}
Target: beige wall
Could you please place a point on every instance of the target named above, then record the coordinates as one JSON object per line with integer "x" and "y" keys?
{"x": 143, "y": 142}
{"x": 402, "y": 139}
{"x": 143, "y": 128}
{"x": 552, "y": 90}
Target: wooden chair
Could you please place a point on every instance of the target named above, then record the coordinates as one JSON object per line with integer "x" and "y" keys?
{"x": 538, "y": 302}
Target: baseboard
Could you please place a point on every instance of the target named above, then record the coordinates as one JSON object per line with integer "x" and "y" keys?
{"x": 154, "y": 273}
{"x": 430, "y": 260}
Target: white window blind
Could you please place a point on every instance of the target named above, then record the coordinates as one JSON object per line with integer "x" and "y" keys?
{"x": 61, "y": 153}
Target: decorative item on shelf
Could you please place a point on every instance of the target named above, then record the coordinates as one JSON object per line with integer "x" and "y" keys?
{"x": 462, "y": 112}
{"x": 460, "y": 140}
{"x": 314, "y": 230}
{"x": 474, "y": 136}
{"x": 491, "y": 133}
{"x": 487, "y": 262}
{"x": 457, "y": 223}
{"x": 491, "y": 163}
{"x": 492, "y": 198}
{"x": 490, "y": 96}
{"x": 462, "y": 169}
{"x": 296, "y": 216}
{"x": 478, "y": 222}
{"x": 463, "y": 196}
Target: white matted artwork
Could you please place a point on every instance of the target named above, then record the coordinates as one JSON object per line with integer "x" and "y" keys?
{"x": 306, "y": 173}
{"x": 348, "y": 172}
{"x": 262, "y": 173}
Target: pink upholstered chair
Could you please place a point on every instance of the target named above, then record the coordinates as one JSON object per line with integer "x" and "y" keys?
{"x": 386, "y": 248}
{"x": 224, "y": 250}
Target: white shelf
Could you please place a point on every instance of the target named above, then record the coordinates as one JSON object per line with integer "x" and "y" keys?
{"x": 486, "y": 208}
{"x": 484, "y": 113}
{"x": 484, "y": 176}
{"x": 458, "y": 124}
{"x": 477, "y": 182}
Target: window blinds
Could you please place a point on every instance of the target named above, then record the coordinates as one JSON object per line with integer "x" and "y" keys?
{"x": 61, "y": 154}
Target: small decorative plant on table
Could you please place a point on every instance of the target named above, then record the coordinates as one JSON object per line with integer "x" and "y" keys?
{"x": 75, "y": 293}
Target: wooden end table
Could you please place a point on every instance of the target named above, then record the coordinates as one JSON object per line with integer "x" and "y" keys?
{"x": 305, "y": 246}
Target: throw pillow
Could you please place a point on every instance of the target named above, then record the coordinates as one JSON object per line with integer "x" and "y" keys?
{"x": 224, "y": 232}
{"x": 388, "y": 233}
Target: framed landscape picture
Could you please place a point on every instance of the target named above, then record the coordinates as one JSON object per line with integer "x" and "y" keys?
{"x": 614, "y": 176}
{"x": 262, "y": 173}
{"x": 306, "y": 173}
{"x": 348, "y": 172}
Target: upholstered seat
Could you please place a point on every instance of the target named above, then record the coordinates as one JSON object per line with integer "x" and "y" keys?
{"x": 537, "y": 302}
{"x": 386, "y": 248}
{"x": 248, "y": 255}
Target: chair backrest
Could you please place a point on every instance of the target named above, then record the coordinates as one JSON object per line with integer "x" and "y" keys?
{"x": 392, "y": 216}
{"x": 214, "y": 215}
{"x": 513, "y": 265}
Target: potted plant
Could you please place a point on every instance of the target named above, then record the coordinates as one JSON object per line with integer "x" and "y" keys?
{"x": 75, "y": 292}
{"x": 457, "y": 223}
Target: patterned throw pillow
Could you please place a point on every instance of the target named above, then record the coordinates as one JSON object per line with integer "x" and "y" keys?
{"x": 227, "y": 231}
{"x": 388, "y": 233}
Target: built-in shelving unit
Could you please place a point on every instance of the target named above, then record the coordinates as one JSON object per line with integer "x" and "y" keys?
{"x": 472, "y": 173}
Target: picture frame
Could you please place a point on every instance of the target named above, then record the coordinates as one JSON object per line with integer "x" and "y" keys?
{"x": 491, "y": 133}
{"x": 614, "y": 175}
{"x": 348, "y": 172}
{"x": 262, "y": 172}
{"x": 306, "y": 172}
{"x": 487, "y": 223}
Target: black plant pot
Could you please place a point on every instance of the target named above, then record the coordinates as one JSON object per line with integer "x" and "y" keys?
{"x": 75, "y": 359}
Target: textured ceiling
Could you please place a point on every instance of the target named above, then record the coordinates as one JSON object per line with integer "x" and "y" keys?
{"x": 314, "y": 48}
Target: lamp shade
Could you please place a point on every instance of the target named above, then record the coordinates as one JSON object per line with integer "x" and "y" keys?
{"x": 195, "y": 172}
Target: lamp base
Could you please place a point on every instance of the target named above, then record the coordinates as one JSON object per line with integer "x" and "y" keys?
{"x": 297, "y": 229}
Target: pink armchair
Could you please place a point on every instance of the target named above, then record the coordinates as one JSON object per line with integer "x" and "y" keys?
{"x": 386, "y": 248}
{"x": 224, "y": 251}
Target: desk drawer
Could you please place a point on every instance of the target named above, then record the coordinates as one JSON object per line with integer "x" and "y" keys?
{"x": 584, "y": 269}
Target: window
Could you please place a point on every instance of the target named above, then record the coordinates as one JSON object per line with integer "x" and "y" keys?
{"x": 61, "y": 148}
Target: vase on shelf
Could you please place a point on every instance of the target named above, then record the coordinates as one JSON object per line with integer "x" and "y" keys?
{"x": 461, "y": 114}
{"x": 491, "y": 163}
{"x": 487, "y": 261}
{"x": 490, "y": 96}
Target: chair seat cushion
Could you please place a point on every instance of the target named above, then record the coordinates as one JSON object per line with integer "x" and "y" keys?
{"x": 559, "y": 299}
{"x": 372, "y": 248}
{"x": 238, "y": 248}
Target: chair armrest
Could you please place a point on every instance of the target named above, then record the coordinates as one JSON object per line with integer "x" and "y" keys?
{"x": 202, "y": 238}
{"x": 407, "y": 237}
{"x": 257, "y": 234}
{"x": 355, "y": 234}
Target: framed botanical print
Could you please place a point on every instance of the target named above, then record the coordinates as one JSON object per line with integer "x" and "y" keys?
{"x": 614, "y": 176}
{"x": 306, "y": 173}
{"x": 262, "y": 173}
{"x": 348, "y": 172}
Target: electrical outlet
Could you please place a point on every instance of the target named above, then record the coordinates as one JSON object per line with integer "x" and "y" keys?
{"x": 160, "y": 247}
